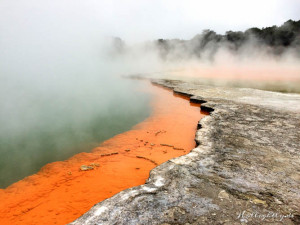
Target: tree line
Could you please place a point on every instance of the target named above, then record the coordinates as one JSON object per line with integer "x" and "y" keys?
{"x": 275, "y": 38}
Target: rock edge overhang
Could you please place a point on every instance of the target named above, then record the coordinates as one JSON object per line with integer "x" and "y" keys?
{"x": 246, "y": 166}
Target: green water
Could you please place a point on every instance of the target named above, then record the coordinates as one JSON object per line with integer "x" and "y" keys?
{"x": 39, "y": 126}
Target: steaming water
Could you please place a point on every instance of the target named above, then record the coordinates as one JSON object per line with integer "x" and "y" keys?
{"x": 60, "y": 90}
{"x": 49, "y": 119}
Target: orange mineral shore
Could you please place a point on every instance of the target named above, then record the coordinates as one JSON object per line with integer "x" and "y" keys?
{"x": 62, "y": 191}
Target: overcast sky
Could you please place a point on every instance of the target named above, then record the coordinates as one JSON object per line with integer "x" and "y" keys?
{"x": 137, "y": 20}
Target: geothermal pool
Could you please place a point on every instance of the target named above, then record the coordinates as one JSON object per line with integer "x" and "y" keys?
{"x": 62, "y": 191}
{"x": 47, "y": 122}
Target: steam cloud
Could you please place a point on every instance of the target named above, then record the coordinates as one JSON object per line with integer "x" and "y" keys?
{"x": 272, "y": 53}
{"x": 59, "y": 78}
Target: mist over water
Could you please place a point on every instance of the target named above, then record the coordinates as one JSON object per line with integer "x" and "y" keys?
{"x": 61, "y": 95}
{"x": 38, "y": 128}
{"x": 266, "y": 58}
{"x": 52, "y": 109}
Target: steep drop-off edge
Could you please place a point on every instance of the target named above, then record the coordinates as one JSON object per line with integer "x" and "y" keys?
{"x": 245, "y": 168}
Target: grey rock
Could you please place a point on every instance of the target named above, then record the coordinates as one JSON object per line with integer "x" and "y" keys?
{"x": 245, "y": 169}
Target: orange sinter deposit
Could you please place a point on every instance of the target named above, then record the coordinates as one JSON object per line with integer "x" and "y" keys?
{"x": 62, "y": 191}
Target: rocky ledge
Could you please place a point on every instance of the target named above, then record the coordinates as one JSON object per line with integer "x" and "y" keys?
{"x": 245, "y": 169}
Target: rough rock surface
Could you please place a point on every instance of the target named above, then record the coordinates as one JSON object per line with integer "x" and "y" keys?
{"x": 245, "y": 169}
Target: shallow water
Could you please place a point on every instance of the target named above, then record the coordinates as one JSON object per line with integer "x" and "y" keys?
{"x": 55, "y": 120}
